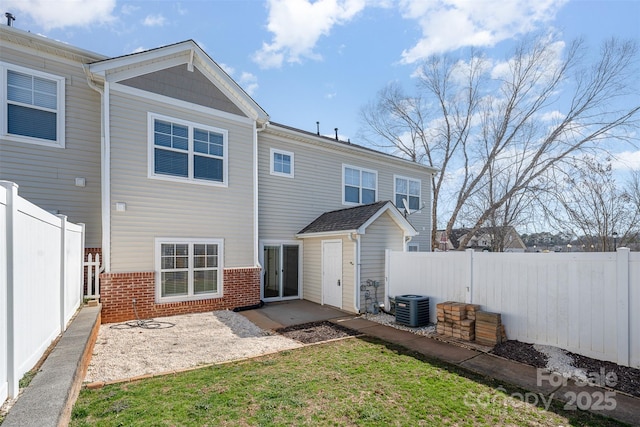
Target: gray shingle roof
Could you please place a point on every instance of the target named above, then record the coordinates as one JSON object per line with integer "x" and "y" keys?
{"x": 343, "y": 219}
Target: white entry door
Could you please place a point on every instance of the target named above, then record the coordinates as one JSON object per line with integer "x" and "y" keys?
{"x": 332, "y": 273}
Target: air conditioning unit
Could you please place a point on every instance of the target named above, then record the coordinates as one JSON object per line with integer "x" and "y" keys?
{"x": 412, "y": 310}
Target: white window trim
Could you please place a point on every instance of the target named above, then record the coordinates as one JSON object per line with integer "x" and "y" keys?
{"x": 192, "y": 297}
{"x": 419, "y": 181}
{"x": 272, "y": 163}
{"x": 375, "y": 172}
{"x": 60, "y": 112}
{"x": 151, "y": 117}
{"x": 413, "y": 245}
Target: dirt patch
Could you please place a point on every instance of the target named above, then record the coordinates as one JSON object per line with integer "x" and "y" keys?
{"x": 316, "y": 332}
{"x": 628, "y": 379}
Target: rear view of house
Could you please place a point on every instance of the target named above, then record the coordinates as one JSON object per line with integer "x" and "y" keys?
{"x": 194, "y": 198}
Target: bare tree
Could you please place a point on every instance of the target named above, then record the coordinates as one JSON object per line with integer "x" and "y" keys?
{"x": 594, "y": 206}
{"x": 511, "y": 122}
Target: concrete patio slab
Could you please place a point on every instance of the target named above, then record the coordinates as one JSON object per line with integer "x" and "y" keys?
{"x": 258, "y": 318}
{"x": 297, "y": 312}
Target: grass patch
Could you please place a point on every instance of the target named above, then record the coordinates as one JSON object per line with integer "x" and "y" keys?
{"x": 26, "y": 378}
{"x": 351, "y": 382}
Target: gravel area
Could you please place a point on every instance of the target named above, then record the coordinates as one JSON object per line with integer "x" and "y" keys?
{"x": 390, "y": 320}
{"x": 126, "y": 350}
{"x": 571, "y": 364}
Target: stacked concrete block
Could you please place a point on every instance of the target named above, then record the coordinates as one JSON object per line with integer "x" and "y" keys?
{"x": 456, "y": 319}
{"x": 489, "y": 328}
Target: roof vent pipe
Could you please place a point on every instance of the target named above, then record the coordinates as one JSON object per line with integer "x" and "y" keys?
{"x": 336, "y": 129}
{"x": 10, "y": 18}
{"x": 318, "y": 128}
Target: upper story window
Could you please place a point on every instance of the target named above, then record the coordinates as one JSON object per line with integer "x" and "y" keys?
{"x": 188, "y": 269}
{"x": 185, "y": 151}
{"x": 408, "y": 189}
{"x": 281, "y": 163}
{"x": 359, "y": 185}
{"x": 35, "y": 106}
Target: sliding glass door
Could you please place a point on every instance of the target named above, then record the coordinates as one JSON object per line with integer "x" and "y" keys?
{"x": 281, "y": 271}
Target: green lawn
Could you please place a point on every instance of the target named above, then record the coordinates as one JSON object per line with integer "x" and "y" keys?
{"x": 349, "y": 382}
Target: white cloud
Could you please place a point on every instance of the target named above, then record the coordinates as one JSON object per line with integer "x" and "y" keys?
{"x": 552, "y": 55}
{"x": 62, "y": 13}
{"x": 627, "y": 160}
{"x": 227, "y": 68}
{"x": 297, "y": 25}
{"x": 139, "y": 49}
{"x": 451, "y": 24}
{"x": 128, "y": 9}
{"x": 154, "y": 21}
{"x": 181, "y": 11}
{"x": 552, "y": 116}
{"x": 249, "y": 82}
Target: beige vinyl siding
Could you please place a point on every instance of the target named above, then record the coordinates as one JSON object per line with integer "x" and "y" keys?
{"x": 382, "y": 234}
{"x": 46, "y": 175}
{"x": 287, "y": 205}
{"x": 158, "y": 208}
{"x": 312, "y": 270}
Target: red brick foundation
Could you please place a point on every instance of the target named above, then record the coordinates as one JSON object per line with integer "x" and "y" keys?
{"x": 241, "y": 287}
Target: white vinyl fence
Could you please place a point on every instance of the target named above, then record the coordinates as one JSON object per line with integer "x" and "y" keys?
{"x": 92, "y": 265}
{"x": 40, "y": 283}
{"x": 587, "y": 303}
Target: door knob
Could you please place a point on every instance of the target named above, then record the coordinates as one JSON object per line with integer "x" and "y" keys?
{"x": 338, "y": 282}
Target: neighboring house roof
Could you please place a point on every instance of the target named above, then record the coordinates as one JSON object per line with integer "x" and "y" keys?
{"x": 483, "y": 237}
{"x": 354, "y": 220}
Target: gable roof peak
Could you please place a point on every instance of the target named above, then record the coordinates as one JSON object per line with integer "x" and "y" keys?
{"x": 185, "y": 52}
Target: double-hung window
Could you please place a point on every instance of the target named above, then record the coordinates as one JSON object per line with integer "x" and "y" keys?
{"x": 409, "y": 190}
{"x": 281, "y": 163}
{"x": 186, "y": 151}
{"x": 359, "y": 185}
{"x": 188, "y": 269}
{"x": 34, "y": 106}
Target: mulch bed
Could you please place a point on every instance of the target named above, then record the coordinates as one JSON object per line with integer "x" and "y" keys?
{"x": 316, "y": 332}
{"x": 628, "y": 378}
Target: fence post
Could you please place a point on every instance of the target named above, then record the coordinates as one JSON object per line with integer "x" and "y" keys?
{"x": 12, "y": 211}
{"x": 82, "y": 268}
{"x": 469, "y": 287}
{"x": 63, "y": 268}
{"x": 387, "y": 271}
{"x": 622, "y": 305}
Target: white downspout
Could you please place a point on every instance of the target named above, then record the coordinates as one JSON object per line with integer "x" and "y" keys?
{"x": 256, "y": 211}
{"x": 106, "y": 183}
{"x": 105, "y": 172}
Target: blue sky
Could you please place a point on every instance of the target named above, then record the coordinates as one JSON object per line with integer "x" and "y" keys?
{"x": 306, "y": 61}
